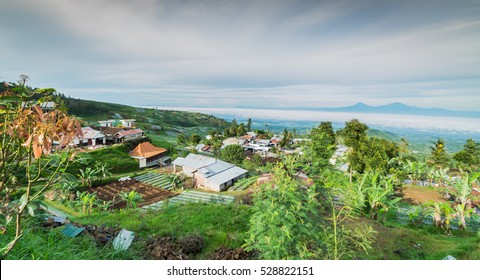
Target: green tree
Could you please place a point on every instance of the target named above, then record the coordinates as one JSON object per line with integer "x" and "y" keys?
{"x": 233, "y": 154}
{"x": 195, "y": 138}
{"x": 181, "y": 140}
{"x": 470, "y": 155}
{"x": 249, "y": 125}
{"x": 287, "y": 139}
{"x": 327, "y": 129}
{"x": 289, "y": 222}
{"x": 318, "y": 151}
{"x": 241, "y": 130}
{"x": 439, "y": 156}
{"x": 285, "y": 223}
{"x": 354, "y": 133}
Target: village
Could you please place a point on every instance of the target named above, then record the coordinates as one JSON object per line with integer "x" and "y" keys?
{"x": 140, "y": 181}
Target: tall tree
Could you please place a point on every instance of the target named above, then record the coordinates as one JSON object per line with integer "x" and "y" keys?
{"x": 249, "y": 125}
{"x": 439, "y": 156}
{"x": 470, "y": 155}
{"x": 233, "y": 154}
{"x": 354, "y": 133}
{"x": 319, "y": 150}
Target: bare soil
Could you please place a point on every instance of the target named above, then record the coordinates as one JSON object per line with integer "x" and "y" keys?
{"x": 149, "y": 193}
{"x": 421, "y": 195}
{"x": 232, "y": 254}
{"x": 164, "y": 248}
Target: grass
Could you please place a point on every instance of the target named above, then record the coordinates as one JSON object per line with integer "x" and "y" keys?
{"x": 39, "y": 243}
{"x": 218, "y": 224}
{"x": 397, "y": 242}
{"x": 116, "y": 157}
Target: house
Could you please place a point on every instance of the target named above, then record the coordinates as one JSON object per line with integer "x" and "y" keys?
{"x": 91, "y": 137}
{"x": 118, "y": 123}
{"x": 203, "y": 148}
{"x": 233, "y": 141}
{"x": 109, "y": 132}
{"x": 148, "y": 155}
{"x": 263, "y": 142}
{"x": 128, "y": 135}
{"x": 210, "y": 173}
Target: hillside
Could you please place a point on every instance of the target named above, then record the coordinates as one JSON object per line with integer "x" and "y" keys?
{"x": 162, "y": 126}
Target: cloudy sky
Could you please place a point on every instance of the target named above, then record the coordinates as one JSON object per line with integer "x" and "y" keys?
{"x": 247, "y": 53}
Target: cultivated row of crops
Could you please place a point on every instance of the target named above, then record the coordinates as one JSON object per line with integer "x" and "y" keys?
{"x": 406, "y": 215}
{"x": 155, "y": 179}
{"x": 244, "y": 183}
{"x": 193, "y": 197}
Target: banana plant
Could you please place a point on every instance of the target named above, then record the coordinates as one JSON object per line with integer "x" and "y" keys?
{"x": 131, "y": 198}
{"x": 87, "y": 200}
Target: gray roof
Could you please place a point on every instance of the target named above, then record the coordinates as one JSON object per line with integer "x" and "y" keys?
{"x": 215, "y": 168}
{"x": 194, "y": 161}
{"x": 217, "y": 171}
{"x": 227, "y": 175}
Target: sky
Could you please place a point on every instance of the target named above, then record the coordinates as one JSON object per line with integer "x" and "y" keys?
{"x": 276, "y": 54}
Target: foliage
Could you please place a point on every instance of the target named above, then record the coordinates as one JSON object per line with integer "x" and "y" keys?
{"x": 439, "y": 156}
{"x": 26, "y": 152}
{"x": 195, "y": 138}
{"x": 470, "y": 155}
{"x": 181, "y": 140}
{"x": 86, "y": 200}
{"x": 233, "y": 154}
{"x": 132, "y": 198}
{"x": 320, "y": 149}
{"x": 343, "y": 241}
{"x": 354, "y": 133}
{"x": 462, "y": 191}
{"x": 177, "y": 180}
{"x": 115, "y": 158}
{"x": 371, "y": 194}
{"x": 285, "y": 222}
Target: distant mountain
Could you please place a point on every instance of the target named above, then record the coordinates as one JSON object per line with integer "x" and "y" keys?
{"x": 400, "y": 109}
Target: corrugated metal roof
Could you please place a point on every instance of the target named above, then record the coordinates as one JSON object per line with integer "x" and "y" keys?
{"x": 195, "y": 161}
{"x": 217, "y": 167}
{"x": 227, "y": 175}
{"x": 90, "y": 133}
{"x": 129, "y": 132}
{"x": 217, "y": 171}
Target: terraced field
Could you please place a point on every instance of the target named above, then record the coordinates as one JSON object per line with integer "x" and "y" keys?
{"x": 150, "y": 194}
{"x": 193, "y": 197}
{"x": 155, "y": 179}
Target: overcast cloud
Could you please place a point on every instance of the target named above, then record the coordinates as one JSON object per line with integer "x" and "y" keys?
{"x": 247, "y": 53}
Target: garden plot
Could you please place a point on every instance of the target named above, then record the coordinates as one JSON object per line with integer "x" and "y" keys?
{"x": 149, "y": 194}
{"x": 406, "y": 215}
{"x": 155, "y": 179}
{"x": 244, "y": 184}
{"x": 193, "y": 197}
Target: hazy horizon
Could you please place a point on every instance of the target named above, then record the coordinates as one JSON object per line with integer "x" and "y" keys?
{"x": 284, "y": 53}
{"x": 386, "y": 120}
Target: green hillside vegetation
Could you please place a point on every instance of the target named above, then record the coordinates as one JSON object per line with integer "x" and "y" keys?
{"x": 161, "y": 126}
